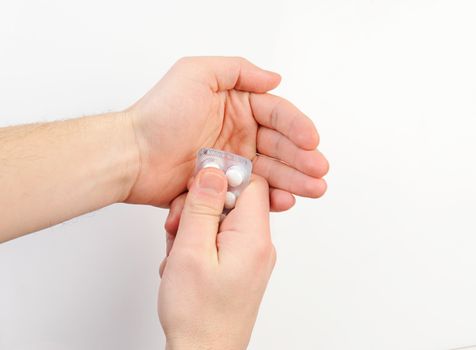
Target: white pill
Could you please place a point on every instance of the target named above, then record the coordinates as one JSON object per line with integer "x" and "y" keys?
{"x": 230, "y": 200}
{"x": 211, "y": 164}
{"x": 235, "y": 176}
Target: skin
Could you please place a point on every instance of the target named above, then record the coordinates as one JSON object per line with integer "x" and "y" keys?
{"x": 214, "y": 277}
{"x": 231, "y": 111}
{"x": 52, "y": 172}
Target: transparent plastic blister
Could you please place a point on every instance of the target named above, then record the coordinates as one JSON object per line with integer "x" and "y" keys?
{"x": 236, "y": 168}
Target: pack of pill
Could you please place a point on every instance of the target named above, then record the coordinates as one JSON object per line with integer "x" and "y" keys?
{"x": 236, "y": 168}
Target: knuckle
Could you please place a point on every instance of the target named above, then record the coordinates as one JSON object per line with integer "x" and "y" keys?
{"x": 203, "y": 209}
{"x": 239, "y": 62}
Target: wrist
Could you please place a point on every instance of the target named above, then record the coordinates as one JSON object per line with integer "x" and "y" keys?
{"x": 212, "y": 343}
{"x": 114, "y": 159}
{"x": 127, "y": 150}
{"x": 184, "y": 345}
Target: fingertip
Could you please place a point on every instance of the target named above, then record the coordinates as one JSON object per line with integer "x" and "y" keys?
{"x": 173, "y": 219}
{"x": 275, "y": 79}
{"x": 292, "y": 201}
{"x": 201, "y": 210}
{"x": 314, "y": 164}
{"x": 209, "y": 180}
{"x": 324, "y": 186}
{"x": 258, "y": 180}
{"x": 260, "y": 81}
{"x": 315, "y": 138}
{"x": 308, "y": 138}
{"x": 281, "y": 200}
{"x": 259, "y": 183}
{"x": 252, "y": 78}
{"x": 325, "y": 166}
{"x": 255, "y": 196}
{"x": 171, "y": 224}
{"x": 251, "y": 212}
{"x": 315, "y": 188}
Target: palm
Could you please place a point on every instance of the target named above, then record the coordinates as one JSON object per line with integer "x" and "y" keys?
{"x": 222, "y": 120}
{"x": 239, "y": 128}
{"x": 194, "y": 113}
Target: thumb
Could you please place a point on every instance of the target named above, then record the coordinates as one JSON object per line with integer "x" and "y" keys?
{"x": 201, "y": 213}
{"x": 225, "y": 73}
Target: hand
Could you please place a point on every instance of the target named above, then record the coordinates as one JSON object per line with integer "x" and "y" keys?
{"x": 220, "y": 102}
{"x": 215, "y": 275}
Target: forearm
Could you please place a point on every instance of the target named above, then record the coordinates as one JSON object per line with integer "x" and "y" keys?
{"x": 52, "y": 172}
{"x": 210, "y": 344}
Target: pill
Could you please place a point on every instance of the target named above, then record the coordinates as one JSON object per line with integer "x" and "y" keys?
{"x": 230, "y": 200}
{"x": 235, "y": 176}
{"x": 211, "y": 164}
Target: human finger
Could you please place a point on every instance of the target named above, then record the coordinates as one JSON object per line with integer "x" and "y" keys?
{"x": 284, "y": 177}
{"x": 226, "y": 73}
{"x": 201, "y": 213}
{"x": 281, "y": 115}
{"x": 274, "y": 144}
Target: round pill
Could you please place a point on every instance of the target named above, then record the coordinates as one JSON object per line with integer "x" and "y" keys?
{"x": 211, "y": 164}
{"x": 235, "y": 176}
{"x": 230, "y": 200}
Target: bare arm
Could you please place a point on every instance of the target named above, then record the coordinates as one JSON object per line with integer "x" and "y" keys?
{"x": 55, "y": 171}
{"x": 52, "y": 172}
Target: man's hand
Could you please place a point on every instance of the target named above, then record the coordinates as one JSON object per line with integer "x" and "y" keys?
{"x": 221, "y": 102}
{"x": 215, "y": 274}
{"x": 52, "y": 172}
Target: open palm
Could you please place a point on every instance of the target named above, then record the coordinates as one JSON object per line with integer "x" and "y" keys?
{"x": 221, "y": 102}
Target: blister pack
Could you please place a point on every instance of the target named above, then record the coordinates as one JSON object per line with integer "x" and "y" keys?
{"x": 237, "y": 170}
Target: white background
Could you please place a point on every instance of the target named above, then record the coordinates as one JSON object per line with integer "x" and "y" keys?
{"x": 386, "y": 260}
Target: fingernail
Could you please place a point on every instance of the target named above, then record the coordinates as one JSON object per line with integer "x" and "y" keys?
{"x": 211, "y": 181}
